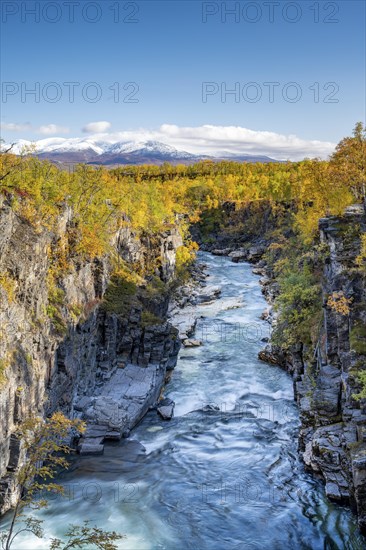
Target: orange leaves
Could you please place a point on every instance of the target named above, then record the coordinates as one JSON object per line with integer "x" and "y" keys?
{"x": 339, "y": 303}
{"x": 90, "y": 243}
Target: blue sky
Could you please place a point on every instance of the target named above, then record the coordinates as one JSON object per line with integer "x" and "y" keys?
{"x": 313, "y": 51}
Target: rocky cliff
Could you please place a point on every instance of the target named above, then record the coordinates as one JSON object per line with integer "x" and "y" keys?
{"x": 332, "y": 436}
{"x": 333, "y": 421}
{"x": 60, "y": 349}
{"x": 68, "y": 352}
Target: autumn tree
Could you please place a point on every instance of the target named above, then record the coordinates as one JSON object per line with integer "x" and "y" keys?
{"x": 9, "y": 164}
{"x": 44, "y": 448}
{"x": 348, "y": 163}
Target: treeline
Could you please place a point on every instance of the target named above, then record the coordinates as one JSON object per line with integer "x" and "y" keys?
{"x": 151, "y": 197}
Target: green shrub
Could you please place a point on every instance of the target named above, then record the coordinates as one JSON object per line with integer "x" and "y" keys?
{"x": 361, "y": 377}
{"x": 3, "y": 367}
{"x": 56, "y": 295}
{"x": 75, "y": 311}
{"x": 120, "y": 296}
{"x": 358, "y": 337}
{"x": 55, "y": 316}
{"x": 155, "y": 287}
{"x": 8, "y": 284}
{"x": 149, "y": 319}
{"x": 299, "y": 305}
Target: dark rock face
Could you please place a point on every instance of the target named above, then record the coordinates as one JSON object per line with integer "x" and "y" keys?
{"x": 333, "y": 422}
{"x": 240, "y": 255}
{"x": 242, "y": 232}
{"x": 141, "y": 250}
{"x": 273, "y": 355}
{"x": 102, "y": 367}
{"x": 210, "y": 294}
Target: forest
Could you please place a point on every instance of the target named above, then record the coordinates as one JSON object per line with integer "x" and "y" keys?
{"x": 151, "y": 198}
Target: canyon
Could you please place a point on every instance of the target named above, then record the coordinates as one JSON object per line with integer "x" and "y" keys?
{"x": 110, "y": 369}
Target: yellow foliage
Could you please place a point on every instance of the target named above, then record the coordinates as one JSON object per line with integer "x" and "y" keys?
{"x": 186, "y": 254}
{"x": 276, "y": 246}
{"x": 90, "y": 242}
{"x": 123, "y": 271}
{"x": 8, "y": 284}
{"x": 307, "y": 223}
{"x": 361, "y": 259}
{"x": 149, "y": 198}
{"x": 5, "y": 363}
{"x": 338, "y": 302}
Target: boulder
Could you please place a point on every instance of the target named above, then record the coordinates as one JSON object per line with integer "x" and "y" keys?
{"x": 239, "y": 255}
{"x": 255, "y": 253}
{"x": 209, "y": 294}
{"x": 273, "y": 355}
{"x": 192, "y": 343}
{"x": 266, "y": 314}
{"x": 259, "y": 271}
{"x": 88, "y": 449}
{"x": 211, "y": 407}
{"x": 221, "y": 251}
{"x": 82, "y": 404}
{"x": 166, "y": 409}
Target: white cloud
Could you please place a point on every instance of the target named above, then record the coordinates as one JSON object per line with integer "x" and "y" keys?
{"x": 206, "y": 140}
{"x": 238, "y": 140}
{"x": 14, "y": 127}
{"x": 50, "y": 129}
{"x": 97, "y": 127}
{"x": 225, "y": 140}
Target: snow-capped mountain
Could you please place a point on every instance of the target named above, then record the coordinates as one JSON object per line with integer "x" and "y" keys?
{"x": 75, "y": 150}
{"x": 57, "y": 145}
{"x": 146, "y": 148}
{"x": 62, "y": 145}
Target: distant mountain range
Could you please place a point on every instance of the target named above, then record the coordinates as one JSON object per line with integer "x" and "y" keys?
{"x": 77, "y": 150}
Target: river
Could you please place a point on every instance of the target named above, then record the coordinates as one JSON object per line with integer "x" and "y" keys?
{"x": 224, "y": 473}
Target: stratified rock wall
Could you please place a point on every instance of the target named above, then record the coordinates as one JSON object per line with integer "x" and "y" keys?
{"x": 66, "y": 363}
{"x": 333, "y": 422}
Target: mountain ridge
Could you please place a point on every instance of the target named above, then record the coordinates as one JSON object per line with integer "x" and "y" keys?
{"x": 96, "y": 152}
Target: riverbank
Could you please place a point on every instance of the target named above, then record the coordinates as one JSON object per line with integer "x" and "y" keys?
{"x": 325, "y": 377}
